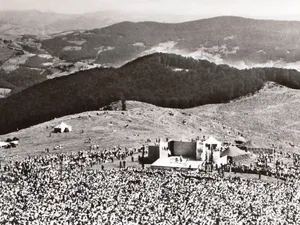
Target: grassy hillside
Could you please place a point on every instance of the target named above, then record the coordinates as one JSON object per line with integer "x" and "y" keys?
{"x": 268, "y": 117}
{"x": 161, "y": 79}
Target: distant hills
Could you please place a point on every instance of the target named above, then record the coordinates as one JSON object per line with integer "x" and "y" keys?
{"x": 23, "y": 63}
{"x": 46, "y": 23}
{"x": 238, "y": 42}
{"x": 235, "y": 41}
{"x": 166, "y": 80}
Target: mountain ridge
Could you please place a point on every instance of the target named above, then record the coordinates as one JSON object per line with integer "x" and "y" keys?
{"x": 236, "y": 41}
{"x": 166, "y": 80}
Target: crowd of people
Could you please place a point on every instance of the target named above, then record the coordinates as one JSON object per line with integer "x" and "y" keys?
{"x": 66, "y": 189}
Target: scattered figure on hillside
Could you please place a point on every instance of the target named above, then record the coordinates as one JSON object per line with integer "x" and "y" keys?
{"x": 89, "y": 140}
{"x": 124, "y": 164}
{"x": 120, "y": 164}
{"x": 181, "y": 159}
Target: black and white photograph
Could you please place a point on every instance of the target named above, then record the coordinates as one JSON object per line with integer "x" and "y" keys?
{"x": 150, "y": 112}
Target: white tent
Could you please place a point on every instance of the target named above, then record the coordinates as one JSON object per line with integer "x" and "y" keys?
{"x": 62, "y": 127}
{"x": 3, "y": 144}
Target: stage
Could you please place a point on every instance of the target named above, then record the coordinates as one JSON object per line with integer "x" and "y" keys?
{"x": 177, "y": 162}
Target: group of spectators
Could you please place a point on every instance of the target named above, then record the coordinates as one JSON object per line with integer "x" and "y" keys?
{"x": 65, "y": 189}
{"x": 282, "y": 165}
{"x": 74, "y": 159}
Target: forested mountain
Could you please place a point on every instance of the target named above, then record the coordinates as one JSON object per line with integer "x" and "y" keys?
{"x": 162, "y": 79}
{"x": 238, "y": 42}
{"x": 235, "y": 41}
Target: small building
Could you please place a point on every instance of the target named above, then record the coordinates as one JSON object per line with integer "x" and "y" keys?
{"x": 212, "y": 144}
{"x": 211, "y": 148}
{"x": 62, "y": 127}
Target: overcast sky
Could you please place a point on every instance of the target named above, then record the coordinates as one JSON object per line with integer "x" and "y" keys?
{"x": 269, "y": 9}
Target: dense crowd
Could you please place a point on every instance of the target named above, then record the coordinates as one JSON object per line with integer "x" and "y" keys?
{"x": 64, "y": 189}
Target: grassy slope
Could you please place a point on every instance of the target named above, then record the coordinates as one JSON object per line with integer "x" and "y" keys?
{"x": 270, "y": 116}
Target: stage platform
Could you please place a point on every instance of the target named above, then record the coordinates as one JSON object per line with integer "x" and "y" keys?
{"x": 174, "y": 162}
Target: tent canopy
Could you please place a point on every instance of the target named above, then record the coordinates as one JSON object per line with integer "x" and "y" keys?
{"x": 62, "y": 127}
{"x": 3, "y": 144}
{"x": 212, "y": 140}
{"x": 233, "y": 151}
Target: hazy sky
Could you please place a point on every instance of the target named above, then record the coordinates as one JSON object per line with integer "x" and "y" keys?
{"x": 271, "y": 9}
